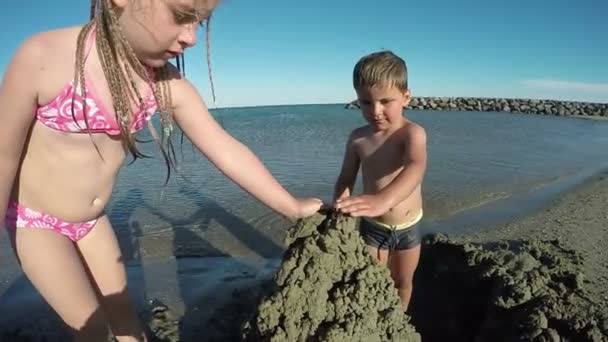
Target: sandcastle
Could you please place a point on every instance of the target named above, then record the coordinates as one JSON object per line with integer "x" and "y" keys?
{"x": 328, "y": 288}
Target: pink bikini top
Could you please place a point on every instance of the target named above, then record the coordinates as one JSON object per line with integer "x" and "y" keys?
{"x": 57, "y": 114}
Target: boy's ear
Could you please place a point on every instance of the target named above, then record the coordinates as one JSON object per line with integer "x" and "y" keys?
{"x": 408, "y": 97}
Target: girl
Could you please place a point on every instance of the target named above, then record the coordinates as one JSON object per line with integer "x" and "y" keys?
{"x": 72, "y": 101}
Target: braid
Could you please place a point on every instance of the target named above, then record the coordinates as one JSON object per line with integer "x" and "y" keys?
{"x": 93, "y": 10}
{"x": 80, "y": 82}
{"x": 116, "y": 54}
{"x": 208, "y": 46}
{"x": 119, "y": 63}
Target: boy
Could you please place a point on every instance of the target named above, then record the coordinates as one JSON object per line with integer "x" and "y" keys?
{"x": 391, "y": 151}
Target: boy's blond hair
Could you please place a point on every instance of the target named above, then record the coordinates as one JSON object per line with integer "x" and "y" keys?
{"x": 382, "y": 68}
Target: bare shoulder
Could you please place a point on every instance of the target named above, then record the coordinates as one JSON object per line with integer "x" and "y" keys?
{"x": 30, "y": 53}
{"x": 181, "y": 88}
{"x": 360, "y": 133}
{"x": 190, "y": 109}
{"x": 44, "y": 48}
{"x": 413, "y": 132}
{"x": 176, "y": 79}
{"x": 26, "y": 63}
{"x": 50, "y": 43}
{"x": 357, "y": 138}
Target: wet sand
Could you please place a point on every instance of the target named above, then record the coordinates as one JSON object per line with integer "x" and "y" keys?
{"x": 541, "y": 277}
{"x": 578, "y": 219}
{"x": 328, "y": 288}
{"x": 209, "y": 299}
{"x": 180, "y": 299}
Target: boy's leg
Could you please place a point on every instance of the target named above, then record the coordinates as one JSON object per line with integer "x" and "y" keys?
{"x": 380, "y": 255}
{"x": 403, "y": 266}
{"x": 102, "y": 256}
{"x": 53, "y": 266}
{"x": 375, "y": 241}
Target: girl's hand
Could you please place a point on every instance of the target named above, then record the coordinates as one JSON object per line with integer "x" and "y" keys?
{"x": 307, "y": 207}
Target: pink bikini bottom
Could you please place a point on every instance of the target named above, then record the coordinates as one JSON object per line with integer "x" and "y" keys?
{"x": 23, "y": 217}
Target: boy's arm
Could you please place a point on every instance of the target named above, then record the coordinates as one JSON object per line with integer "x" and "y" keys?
{"x": 414, "y": 159}
{"x": 412, "y": 174}
{"x": 235, "y": 160}
{"x": 348, "y": 173}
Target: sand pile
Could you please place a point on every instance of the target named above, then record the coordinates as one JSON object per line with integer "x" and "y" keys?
{"x": 329, "y": 289}
{"x": 520, "y": 290}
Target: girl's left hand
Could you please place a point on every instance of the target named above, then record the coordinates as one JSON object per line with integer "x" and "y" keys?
{"x": 308, "y": 207}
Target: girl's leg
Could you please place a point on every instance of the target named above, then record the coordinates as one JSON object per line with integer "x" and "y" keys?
{"x": 403, "y": 266}
{"x": 103, "y": 259}
{"x": 53, "y": 266}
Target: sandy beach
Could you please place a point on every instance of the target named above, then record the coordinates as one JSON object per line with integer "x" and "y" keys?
{"x": 551, "y": 265}
{"x": 545, "y": 273}
{"x": 209, "y": 298}
{"x": 157, "y": 153}
{"x": 540, "y": 277}
{"x": 578, "y": 219}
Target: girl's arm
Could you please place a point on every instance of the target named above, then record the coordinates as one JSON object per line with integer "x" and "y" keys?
{"x": 348, "y": 173}
{"x": 18, "y": 100}
{"x": 231, "y": 157}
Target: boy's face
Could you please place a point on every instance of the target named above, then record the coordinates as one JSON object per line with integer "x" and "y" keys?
{"x": 382, "y": 105}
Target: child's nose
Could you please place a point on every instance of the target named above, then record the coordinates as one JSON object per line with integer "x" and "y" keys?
{"x": 187, "y": 37}
{"x": 377, "y": 109}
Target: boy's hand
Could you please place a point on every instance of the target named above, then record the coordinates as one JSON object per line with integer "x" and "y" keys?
{"x": 308, "y": 206}
{"x": 363, "y": 205}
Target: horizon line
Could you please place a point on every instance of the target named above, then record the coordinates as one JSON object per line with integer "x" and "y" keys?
{"x": 425, "y": 97}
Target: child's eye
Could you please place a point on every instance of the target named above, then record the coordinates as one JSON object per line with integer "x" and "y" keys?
{"x": 184, "y": 18}
{"x": 385, "y": 101}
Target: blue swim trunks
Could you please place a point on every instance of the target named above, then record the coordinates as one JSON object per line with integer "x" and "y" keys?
{"x": 383, "y": 236}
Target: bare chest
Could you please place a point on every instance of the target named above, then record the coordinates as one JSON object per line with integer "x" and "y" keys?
{"x": 381, "y": 156}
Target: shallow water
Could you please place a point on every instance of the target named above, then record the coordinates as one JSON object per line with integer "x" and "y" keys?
{"x": 484, "y": 162}
{"x": 473, "y": 158}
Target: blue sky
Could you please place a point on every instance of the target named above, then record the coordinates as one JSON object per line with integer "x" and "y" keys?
{"x": 293, "y": 52}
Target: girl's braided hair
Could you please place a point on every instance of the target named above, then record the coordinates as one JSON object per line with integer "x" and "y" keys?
{"x": 119, "y": 64}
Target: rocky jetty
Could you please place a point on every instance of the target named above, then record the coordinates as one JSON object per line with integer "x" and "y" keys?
{"x": 528, "y": 106}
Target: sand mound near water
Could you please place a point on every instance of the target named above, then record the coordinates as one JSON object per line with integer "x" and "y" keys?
{"x": 328, "y": 288}
{"x": 528, "y": 290}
